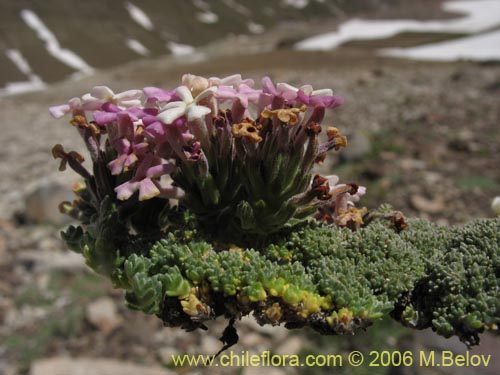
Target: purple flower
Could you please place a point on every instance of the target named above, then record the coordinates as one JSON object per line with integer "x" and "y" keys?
{"x": 146, "y": 179}
{"x": 103, "y": 94}
{"x": 156, "y": 95}
{"x": 74, "y": 106}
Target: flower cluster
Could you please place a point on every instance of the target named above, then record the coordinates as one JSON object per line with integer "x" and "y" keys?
{"x": 240, "y": 157}
{"x": 240, "y": 160}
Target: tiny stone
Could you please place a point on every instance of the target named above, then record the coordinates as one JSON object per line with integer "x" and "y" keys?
{"x": 94, "y": 366}
{"x": 426, "y": 205}
{"x": 358, "y": 147}
{"x": 251, "y": 339}
{"x": 210, "y": 345}
{"x": 102, "y": 314}
{"x": 41, "y": 204}
{"x": 292, "y": 345}
{"x": 258, "y": 371}
{"x": 44, "y": 261}
{"x": 165, "y": 354}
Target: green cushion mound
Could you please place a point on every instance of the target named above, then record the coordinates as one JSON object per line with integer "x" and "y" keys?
{"x": 329, "y": 278}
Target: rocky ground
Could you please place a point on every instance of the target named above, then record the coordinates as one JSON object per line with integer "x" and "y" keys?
{"x": 422, "y": 136}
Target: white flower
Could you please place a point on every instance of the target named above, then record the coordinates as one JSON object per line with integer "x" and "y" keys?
{"x": 233, "y": 81}
{"x": 285, "y": 88}
{"x": 197, "y": 84}
{"x": 188, "y": 106}
{"x": 495, "y": 205}
{"x": 103, "y": 94}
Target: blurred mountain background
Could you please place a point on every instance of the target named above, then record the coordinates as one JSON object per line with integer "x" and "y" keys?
{"x": 58, "y": 38}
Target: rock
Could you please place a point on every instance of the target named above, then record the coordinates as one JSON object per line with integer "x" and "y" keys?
{"x": 42, "y": 261}
{"x": 165, "y": 354}
{"x": 3, "y": 249}
{"x": 428, "y": 206}
{"x": 251, "y": 339}
{"x": 408, "y": 164}
{"x": 358, "y": 147}
{"x": 210, "y": 345}
{"x": 268, "y": 371}
{"x": 103, "y": 315}
{"x": 291, "y": 346}
{"x": 8, "y": 370}
{"x": 6, "y": 228}
{"x": 495, "y": 205}
{"x": 92, "y": 366}
{"x": 41, "y": 203}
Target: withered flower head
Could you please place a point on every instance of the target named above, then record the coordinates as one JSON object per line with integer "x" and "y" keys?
{"x": 351, "y": 218}
{"x": 339, "y": 139}
{"x": 247, "y": 130}
{"x": 286, "y": 115}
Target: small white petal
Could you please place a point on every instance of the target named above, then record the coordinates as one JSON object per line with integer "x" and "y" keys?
{"x": 281, "y": 86}
{"x": 170, "y": 115}
{"x": 102, "y": 92}
{"x": 130, "y": 103}
{"x": 173, "y": 105}
{"x": 197, "y": 112}
{"x": 59, "y": 111}
{"x": 185, "y": 94}
{"x": 88, "y": 98}
{"x": 206, "y": 93}
{"x": 75, "y": 103}
{"x": 233, "y": 80}
{"x": 306, "y": 89}
{"x": 129, "y": 95}
{"x": 332, "y": 180}
{"x": 323, "y": 92}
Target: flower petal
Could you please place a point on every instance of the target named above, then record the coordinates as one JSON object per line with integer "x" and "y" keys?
{"x": 103, "y": 118}
{"x": 59, "y": 111}
{"x": 197, "y": 112}
{"x": 129, "y": 95}
{"x": 102, "y": 92}
{"x": 206, "y": 93}
{"x": 126, "y": 190}
{"x": 184, "y": 94}
{"x": 323, "y": 92}
{"x": 234, "y": 79}
{"x": 171, "y": 114}
{"x": 147, "y": 189}
{"x": 158, "y": 94}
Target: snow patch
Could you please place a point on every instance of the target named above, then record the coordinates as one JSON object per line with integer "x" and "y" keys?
{"x": 180, "y": 49}
{"x": 207, "y": 17}
{"x": 138, "y": 47}
{"x": 479, "y": 15}
{"x": 52, "y": 45}
{"x": 34, "y": 82}
{"x": 255, "y": 28}
{"x": 201, "y": 4}
{"x": 237, "y": 7}
{"x": 139, "y": 16}
{"x": 298, "y": 4}
{"x": 478, "y": 47}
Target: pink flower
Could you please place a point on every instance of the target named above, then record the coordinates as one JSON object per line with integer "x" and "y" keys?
{"x": 74, "y": 105}
{"x": 146, "y": 179}
{"x": 103, "y": 94}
